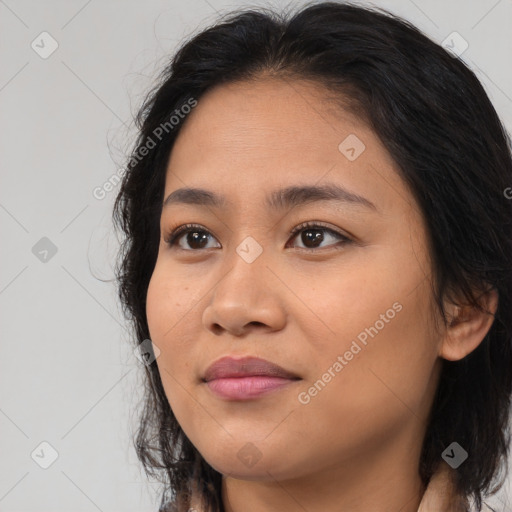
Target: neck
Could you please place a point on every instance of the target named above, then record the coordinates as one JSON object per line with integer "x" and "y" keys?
{"x": 382, "y": 482}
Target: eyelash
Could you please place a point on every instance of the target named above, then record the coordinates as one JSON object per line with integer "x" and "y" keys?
{"x": 173, "y": 236}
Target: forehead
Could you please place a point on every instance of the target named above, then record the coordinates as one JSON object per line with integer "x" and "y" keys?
{"x": 247, "y": 137}
{"x": 275, "y": 112}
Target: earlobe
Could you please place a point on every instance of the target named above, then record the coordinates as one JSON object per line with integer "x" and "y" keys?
{"x": 468, "y": 326}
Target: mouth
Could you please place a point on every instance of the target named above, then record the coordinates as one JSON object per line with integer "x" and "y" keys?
{"x": 246, "y": 378}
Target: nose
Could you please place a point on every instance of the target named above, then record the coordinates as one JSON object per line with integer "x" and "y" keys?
{"x": 248, "y": 296}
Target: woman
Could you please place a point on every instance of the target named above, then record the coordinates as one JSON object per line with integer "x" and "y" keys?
{"x": 318, "y": 247}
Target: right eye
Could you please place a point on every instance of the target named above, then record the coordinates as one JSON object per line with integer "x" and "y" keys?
{"x": 196, "y": 236}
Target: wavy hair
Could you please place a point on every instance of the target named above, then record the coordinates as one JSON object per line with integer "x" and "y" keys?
{"x": 438, "y": 124}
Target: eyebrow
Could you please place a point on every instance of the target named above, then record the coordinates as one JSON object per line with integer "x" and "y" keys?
{"x": 281, "y": 199}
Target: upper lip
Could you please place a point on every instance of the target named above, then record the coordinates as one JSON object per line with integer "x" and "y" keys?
{"x": 229, "y": 367}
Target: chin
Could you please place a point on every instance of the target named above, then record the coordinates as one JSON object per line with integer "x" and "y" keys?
{"x": 247, "y": 464}
{"x": 235, "y": 469}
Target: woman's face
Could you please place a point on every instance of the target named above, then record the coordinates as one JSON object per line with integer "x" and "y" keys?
{"x": 349, "y": 317}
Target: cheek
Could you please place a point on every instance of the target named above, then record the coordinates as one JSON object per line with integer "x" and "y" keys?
{"x": 376, "y": 317}
{"x": 167, "y": 303}
{"x": 388, "y": 356}
{"x": 341, "y": 302}
{"x": 166, "y": 312}
{"x": 170, "y": 311}
{"x": 153, "y": 305}
{"x": 385, "y": 384}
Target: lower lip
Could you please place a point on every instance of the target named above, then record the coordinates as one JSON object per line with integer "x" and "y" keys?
{"x": 245, "y": 388}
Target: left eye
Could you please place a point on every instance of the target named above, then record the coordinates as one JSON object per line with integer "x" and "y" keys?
{"x": 197, "y": 237}
{"x": 312, "y": 234}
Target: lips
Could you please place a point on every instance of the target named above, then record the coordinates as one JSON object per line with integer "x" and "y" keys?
{"x": 230, "y": 367}
{"x": 247, "y": 378}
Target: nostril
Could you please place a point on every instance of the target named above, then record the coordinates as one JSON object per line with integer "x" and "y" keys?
{"x": 217, "y": 329}
{"x": 258, "y": 324}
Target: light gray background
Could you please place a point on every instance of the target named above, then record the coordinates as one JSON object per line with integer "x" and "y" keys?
{"x": 67, "y": 372}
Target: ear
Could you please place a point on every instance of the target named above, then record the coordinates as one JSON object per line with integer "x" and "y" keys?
{"x": 468, "y": 326}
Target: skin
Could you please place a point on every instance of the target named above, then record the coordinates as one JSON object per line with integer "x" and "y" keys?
{"x": 356, "y": 445}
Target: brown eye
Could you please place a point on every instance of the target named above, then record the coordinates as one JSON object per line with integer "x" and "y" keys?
{"x": 313, "y": 235}
{"x": 191, "y": 237}
{"x": 195, "y": 237}
{"x": 312, "y": 238}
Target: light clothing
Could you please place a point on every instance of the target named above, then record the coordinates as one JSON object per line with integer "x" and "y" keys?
{"x": 440, "y": 497}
